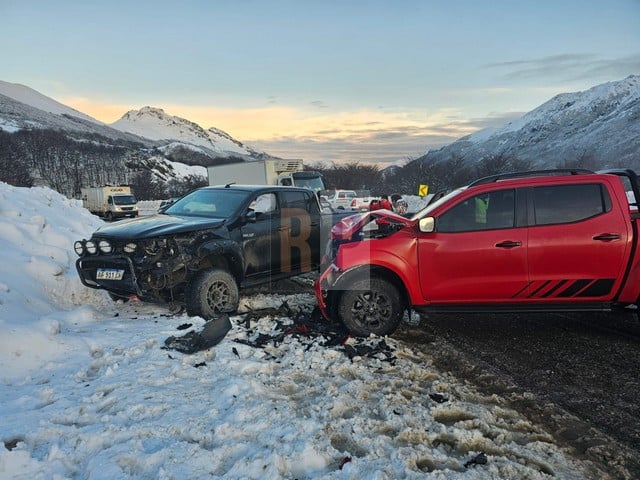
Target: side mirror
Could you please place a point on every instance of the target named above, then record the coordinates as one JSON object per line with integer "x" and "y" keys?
{"x": 427, "y": 225}
{"x": 250, "y": 216}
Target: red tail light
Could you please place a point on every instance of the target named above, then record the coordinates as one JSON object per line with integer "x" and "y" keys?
{"x": 353, "y": 202}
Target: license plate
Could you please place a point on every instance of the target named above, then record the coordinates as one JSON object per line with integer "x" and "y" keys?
{"x": 109, "y": 274}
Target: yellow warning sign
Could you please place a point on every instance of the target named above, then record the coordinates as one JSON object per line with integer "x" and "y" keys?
{"x": 423, "y": 190}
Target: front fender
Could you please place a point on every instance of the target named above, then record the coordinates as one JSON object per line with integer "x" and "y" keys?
{"x": 396, "y": 255}
{"x": 225, "y": 253}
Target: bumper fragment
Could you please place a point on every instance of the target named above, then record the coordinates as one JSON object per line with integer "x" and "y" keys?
{"x": 322, "y": 286}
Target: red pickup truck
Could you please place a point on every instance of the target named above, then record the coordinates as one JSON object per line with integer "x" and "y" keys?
{"x": 547, "y": 240}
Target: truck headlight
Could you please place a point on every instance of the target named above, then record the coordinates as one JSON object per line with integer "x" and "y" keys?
{"x": 130, "y": 248}
{"x": 78, "y": 246}
{"x": 105, "y": 246}
{"x": 91, "y": 247}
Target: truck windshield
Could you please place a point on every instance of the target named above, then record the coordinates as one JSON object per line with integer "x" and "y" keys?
{"x": 124, "y": 200}
{"x": 218, "y": 203}
{"x": 312, "y": 183}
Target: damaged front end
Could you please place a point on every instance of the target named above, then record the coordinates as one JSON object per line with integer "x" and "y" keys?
{"x": 152, "y": 269}
{"x": 342, "y": 254}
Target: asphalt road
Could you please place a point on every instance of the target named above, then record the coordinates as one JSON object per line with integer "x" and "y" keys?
{"x": 576, "y": 374}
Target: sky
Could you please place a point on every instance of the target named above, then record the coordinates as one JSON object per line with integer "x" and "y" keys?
{"x": 332, "y": 80}
{"x": 87, "y": 390}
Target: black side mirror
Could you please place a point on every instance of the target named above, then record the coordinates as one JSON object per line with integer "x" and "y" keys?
{"x": 250, "y": 216}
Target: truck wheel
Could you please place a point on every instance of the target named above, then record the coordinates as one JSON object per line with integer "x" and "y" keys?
{"x": 371, "y": 305}
{"x": 211, "y": 292}
{"x": 110, "y": 216}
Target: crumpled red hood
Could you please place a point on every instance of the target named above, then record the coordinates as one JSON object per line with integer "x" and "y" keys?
{"x": 345, "y": 228}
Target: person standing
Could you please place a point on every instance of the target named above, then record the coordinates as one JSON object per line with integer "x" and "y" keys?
{"x": 385, "y": 203}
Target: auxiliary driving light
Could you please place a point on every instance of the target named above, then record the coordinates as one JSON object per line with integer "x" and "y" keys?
{"x": 105, "y": 246}
{"x": 91, "y": 247}
{"x": 79, "y": 248}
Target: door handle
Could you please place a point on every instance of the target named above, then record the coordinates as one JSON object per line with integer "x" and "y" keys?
{"x": 607, "y": 237}
{"x": 508, "y": 244}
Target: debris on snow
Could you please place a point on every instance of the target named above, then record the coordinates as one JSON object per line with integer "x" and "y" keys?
{"x": 212, "y": 333}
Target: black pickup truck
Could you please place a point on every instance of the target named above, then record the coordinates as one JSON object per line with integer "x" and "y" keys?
{"x": 207, "y": 245}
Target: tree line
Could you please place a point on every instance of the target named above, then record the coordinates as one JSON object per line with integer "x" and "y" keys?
{"x": 66, "y": 164}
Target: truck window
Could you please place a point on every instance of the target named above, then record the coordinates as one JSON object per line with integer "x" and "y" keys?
{"x": 265, "y": 203}
{"x": 486, "y": 211}
{"x": 124, "y": 199}
{"x": 569, "y": 203}
{"x": 295, "y": 200}
{"x": 208, "y": 203}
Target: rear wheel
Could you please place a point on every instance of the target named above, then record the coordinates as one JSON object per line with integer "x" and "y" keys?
{"x": 371, "y": 305}
{"x": 211, "y": 292}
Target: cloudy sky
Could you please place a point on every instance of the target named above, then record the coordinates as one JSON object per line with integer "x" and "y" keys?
{"x": 327, "y": 80}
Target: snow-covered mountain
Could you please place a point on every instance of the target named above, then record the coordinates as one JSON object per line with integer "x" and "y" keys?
{"x": 175, "y": 138}
{"x": 145, "y": 139}
{"x": 599, "y": 127}
{"x": 34, "y": 99}
{"x": 176, "y": 132}
{"x": 22, "y": 108}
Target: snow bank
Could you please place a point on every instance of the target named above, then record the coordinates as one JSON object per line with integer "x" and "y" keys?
{"x": 37, "y": 273}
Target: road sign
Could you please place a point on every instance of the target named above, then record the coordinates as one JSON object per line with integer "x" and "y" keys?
{"x": 423, "y": 190}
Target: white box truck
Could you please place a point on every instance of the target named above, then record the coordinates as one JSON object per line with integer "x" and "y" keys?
{"x": 110, "y": 202}
{"x": 266, "y": 172}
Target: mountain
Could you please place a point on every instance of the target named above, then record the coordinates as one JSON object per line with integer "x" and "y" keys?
{"x": 599, "y": 128}
{"x": 177, "y": 134}
{"x": 34, "y": 99}
{"x": 176, "y": 139}
{"x": 44, "y": 142}
{"x": 22, "y": 108}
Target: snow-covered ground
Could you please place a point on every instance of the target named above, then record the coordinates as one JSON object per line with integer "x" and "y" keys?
{"x": 88, "y": 392}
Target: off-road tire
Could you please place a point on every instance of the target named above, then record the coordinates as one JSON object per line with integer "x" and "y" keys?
{"x": 211, "y": 292}
{"x": 371, "y": 305}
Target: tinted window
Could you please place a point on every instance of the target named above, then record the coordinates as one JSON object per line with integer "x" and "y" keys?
{"x": 487, "y": 211}
{"x": 294, "y": 200}
{"x": 569, "y": 203}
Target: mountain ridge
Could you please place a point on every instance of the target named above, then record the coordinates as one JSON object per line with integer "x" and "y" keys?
{"x": 600, "y": 125}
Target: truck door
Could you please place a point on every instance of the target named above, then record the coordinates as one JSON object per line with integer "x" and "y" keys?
{"x": 299, "y": 232}
{"x": 478, "y": 252}
{"x": 578, "y": 243}
{"x": 260, "y": 238}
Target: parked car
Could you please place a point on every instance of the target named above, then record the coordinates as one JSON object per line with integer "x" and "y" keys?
{"x": 362, "y": 204}
{"x": 341, "y": 199}
{"x": 559, "y": 240}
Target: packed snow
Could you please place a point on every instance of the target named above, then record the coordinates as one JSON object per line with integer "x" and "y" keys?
{"x": 88, "y": 392}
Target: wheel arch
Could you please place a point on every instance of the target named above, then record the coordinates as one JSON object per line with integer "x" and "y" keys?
{"x": 364, "y": 271}
{"x": 225, "y": 255}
